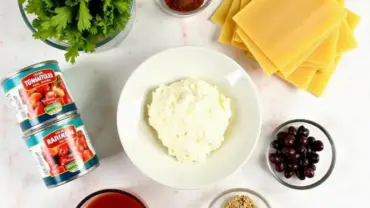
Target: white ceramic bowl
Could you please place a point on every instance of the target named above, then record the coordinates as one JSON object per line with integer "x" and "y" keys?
{"x": 139, "y": 139}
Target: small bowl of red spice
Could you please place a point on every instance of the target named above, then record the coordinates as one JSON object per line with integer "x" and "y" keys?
{"x": 183, "y": 8}
{"x": 110, "y": 198}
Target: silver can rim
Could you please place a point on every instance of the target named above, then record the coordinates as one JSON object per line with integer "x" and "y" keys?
{"x": 49, "y": 123}
{"x": 40, "y": 64}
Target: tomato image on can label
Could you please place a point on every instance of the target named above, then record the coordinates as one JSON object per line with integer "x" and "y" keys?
{"x": 63, "y": 151}
{"x": 38, "y": 93}
{"x": 43, "y": 92}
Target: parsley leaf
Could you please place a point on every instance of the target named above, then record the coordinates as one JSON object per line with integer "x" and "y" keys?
{"x": 36, "y": 23}
{"x": 80, "y": 24}
{"x": 94, "y": 29}
{"x": 121, "y": 6}
{"x": 72, "y": 54}
{"x": 84, "y": 17}
{"x": 72, "y": 3}
{"x": 49, "y": 3}
{"x": 36, "y": 7}
{"x": 120, "y": 21}
{"x": 63, "y": 17}
{"x": 45, "y": 34}
{"x": 107, "y": 3}
{"x": 89, "y": 45}
{"x": 100, "y": 22}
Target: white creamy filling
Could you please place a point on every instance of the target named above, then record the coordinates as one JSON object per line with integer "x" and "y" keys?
{"x": 190, "y": 117}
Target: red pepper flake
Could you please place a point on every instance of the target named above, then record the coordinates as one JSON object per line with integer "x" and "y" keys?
{"x": 184, "y": 5}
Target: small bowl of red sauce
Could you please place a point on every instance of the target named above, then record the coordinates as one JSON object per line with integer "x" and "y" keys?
{"x": 109, "y": 198}
{"x": 183, "y": 8}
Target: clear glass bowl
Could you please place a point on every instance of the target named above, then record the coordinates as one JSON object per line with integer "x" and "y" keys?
{"x": 90, "y": 198}
{"x": 103, "y": 45}
{"x": 327, "y": 156}
{"x": 220, "y": 200}
{"x": 163, "y": 6}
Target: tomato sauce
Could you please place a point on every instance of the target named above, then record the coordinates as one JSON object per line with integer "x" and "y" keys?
{"x": 111, "y": 198}
{"x": 184, "y": 5}
{"x": 114, "y": 200}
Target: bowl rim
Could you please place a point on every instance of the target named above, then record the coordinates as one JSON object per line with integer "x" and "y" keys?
{"x": 104, "y": 191}
{"x": 245, "y": 74}
{"x": 163, "y": 6}
{"x": 62, "y": 47}
{"x": 249, "y": 191}
{"x": 333, "y": 159}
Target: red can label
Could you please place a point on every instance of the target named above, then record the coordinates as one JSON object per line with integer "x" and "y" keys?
{"x": 43, "y": 92}
{"x": 42, "y": 77}
{"x": 38, "y": 95}
{"x": 64, "y": 148}
{"x": 56, "y": 138}
{"x": 63, "y": 152}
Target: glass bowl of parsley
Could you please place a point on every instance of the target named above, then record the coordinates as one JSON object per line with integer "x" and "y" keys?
{"x": 79, "y": 26}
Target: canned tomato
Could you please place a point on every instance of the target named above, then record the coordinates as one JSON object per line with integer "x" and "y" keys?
{"x": 38, "y": 93}
{"x": 62, "y": 149}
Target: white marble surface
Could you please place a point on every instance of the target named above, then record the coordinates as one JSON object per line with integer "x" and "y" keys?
{"x": 96, "y": 81}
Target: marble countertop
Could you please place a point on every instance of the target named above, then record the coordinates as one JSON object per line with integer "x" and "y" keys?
{"x": 96, "y": 81}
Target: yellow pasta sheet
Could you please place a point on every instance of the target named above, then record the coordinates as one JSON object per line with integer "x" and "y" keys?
{"x": 220, "y": 15}
{"x": 236, "y": 37}
{"x": 352, "y": 19}
{"x": 239, "y": 45}
{"x": 325, "y": 54}
{"x": 266, "y": 64}
{"x": 290, "y": 29}
{"x": 308, "y": 65}
{"x": 228, "y": 28}
{"x": 340, "y": 41}
{"x": 346, "y": 39}
{"x": 321, "y": 79}
{"x": 301, "y": 77}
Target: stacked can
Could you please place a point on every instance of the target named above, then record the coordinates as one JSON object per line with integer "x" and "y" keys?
{"x": 52, "y": 128}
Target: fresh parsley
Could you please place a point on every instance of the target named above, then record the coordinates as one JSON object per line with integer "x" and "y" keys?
{"x": 80, "y": 23}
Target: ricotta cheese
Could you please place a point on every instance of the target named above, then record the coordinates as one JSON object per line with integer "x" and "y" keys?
{"x": 190, "y": 118}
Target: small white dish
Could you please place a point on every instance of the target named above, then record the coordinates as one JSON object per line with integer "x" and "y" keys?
{"x": 140, "y": 141}
{"x": 220, "y": 200}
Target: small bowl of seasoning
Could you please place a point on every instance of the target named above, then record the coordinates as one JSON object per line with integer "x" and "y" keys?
{"x": 239, "y": 198}
{"x": 110, "y": 198}
{"x": 301, "y": 154}
{"x": 183, "y": 8}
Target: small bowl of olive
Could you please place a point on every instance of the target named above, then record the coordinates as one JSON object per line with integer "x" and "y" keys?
{"x": 301, "y": 154}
